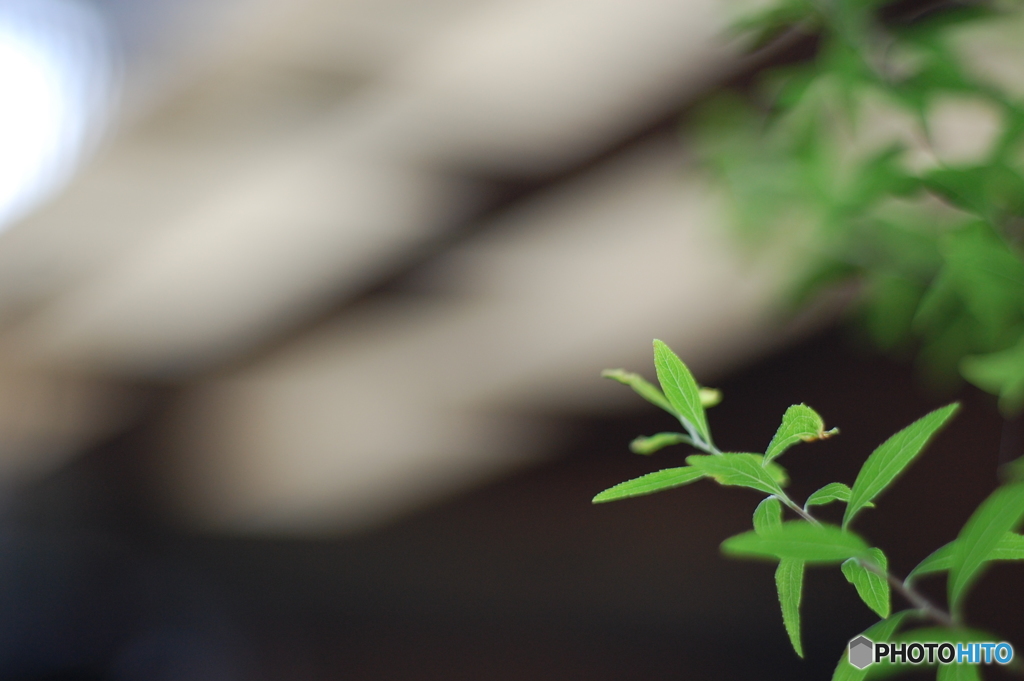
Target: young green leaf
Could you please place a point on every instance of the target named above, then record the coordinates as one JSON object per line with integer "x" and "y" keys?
{"x": 834, "y": 491}
{"x": 649, "y": 445}
{"x": 879, "y": 631}
{"x": 892, "y": 457}
{"x": 650, "y": 483}
{"x": 642, "y": 387}
{"x": 1000, "y": 513}
{"x": 767, "y": 516}
{"x": 798, "y": 539}
{"x": 681, "y": 389}
{"x": 789, "y": 580}
{"x": 1010, "y": 547}
{"x": 710, "y": 397}
{"x": 800, "y": 423}
{"x": 741, "y": 470}
{"x": 872, "y": 588}
{"x": 938, "y": 560}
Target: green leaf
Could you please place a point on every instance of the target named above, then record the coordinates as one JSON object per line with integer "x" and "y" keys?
{"x": 872, "y": 588}
{"x": 681, "y": 390}
{"x": 887, "y": 311}
{"x": 789, "y": 579}
{"x": 834, "y": 491}
{"x": 801, "y": 540}
{"x": 879, "y": 631}
{"x": 891, "y": 457}
{"x": 938, "y": 560}
{"x": 963, "y": 187}
{"x": 988, "y": 278}
{"x": 650, "y": 483}
{"x": 642, "y": 387}
{"x": 649, "y": 445}
{"x": 1000, "y": 513}
{"x": 767, "y": 516}
{"x": 1010, "y": 547}
{"x": 740, "y": 470}
{"x": 1000, "y": 373}
{"x": 800, "y": 423}
{"x": 710, "y": 397}
{"x": 988, "y": 190}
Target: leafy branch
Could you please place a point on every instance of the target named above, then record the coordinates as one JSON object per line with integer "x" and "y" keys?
{"x": 988, "y": 535}
{"x": 844, "y": 148}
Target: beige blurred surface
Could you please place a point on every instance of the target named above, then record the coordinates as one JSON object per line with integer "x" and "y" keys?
{"x": 283, "y": 171}
{"x": 381, "y": 409}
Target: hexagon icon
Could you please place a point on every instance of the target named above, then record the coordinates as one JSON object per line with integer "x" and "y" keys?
{"x": 861, "y": 652}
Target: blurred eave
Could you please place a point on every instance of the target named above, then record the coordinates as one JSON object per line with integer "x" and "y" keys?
{"x": 363, "y": 238}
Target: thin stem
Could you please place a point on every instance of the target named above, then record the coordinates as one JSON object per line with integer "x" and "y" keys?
{"x": 925, "y": 606}
{"x": 797, "y": 509}
{"x": 707, "y": 447}
{"x": 916, "y": 599}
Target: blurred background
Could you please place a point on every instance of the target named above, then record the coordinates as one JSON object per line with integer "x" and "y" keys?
{"x": 303, "y": 305}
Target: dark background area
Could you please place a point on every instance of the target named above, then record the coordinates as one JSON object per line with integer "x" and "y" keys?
{"x": 520, "y": 579}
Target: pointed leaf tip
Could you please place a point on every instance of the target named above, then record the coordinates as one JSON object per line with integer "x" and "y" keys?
{"x": 789, "y": 581}
{"x": 641, "y": 386}
{"x": 654, "y": 443}
{"x": 1010, "y": 547}
{"x": 681, "y": 390}
{"x": 1000, "y": 513}
{"x": 650, "y": 483}
{"x": 893, "y": 456}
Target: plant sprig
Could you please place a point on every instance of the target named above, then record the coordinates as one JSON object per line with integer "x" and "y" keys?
{"x": 846, "y": 145}
{"x": 988, "y": 535}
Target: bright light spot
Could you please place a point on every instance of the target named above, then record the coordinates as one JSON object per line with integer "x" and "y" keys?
{"x": 56, "y": 80}
{"x": 31, "y": 120}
